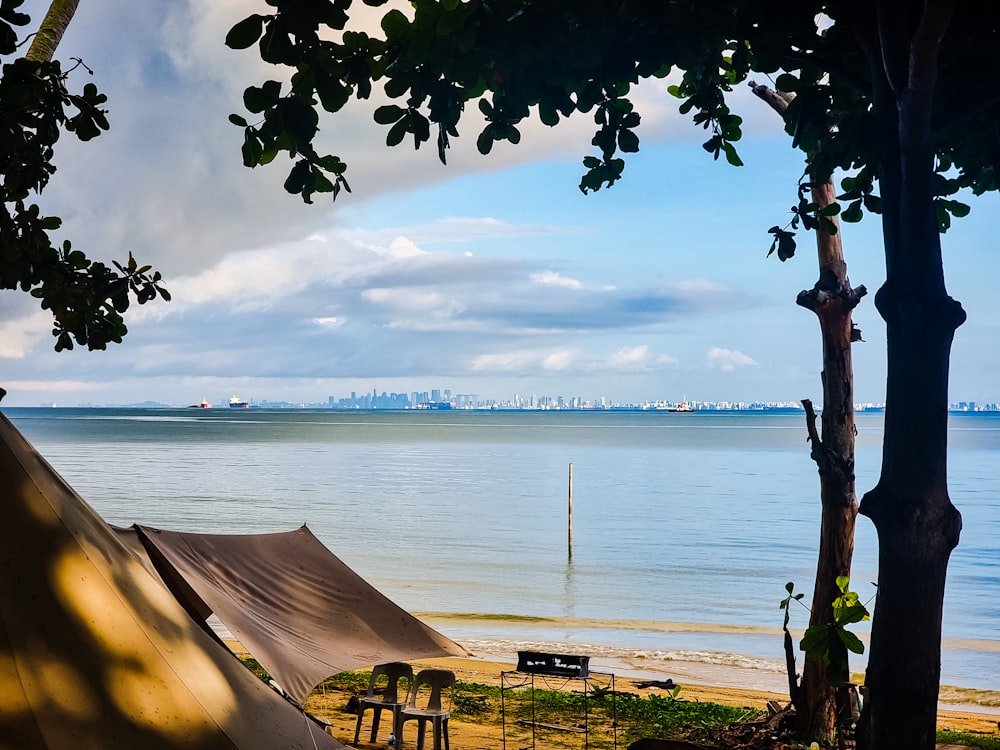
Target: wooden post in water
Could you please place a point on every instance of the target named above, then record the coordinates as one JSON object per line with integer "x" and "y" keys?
{"x": 570, "y": 514}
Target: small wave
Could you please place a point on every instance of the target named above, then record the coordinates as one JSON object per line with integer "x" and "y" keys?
{"x": 652, "y": 626}
{"x": 959, "y": 696}
{"x": 642, "y": 660}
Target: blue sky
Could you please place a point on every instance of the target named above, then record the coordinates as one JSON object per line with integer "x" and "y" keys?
{"x": 491, "y": 276}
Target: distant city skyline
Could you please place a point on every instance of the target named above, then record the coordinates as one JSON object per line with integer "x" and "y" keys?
{"x": 437, "y": 398}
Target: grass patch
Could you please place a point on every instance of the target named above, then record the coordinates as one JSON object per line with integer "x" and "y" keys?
{"x": 662, "y": 716}
{"x": 972, "y": 739}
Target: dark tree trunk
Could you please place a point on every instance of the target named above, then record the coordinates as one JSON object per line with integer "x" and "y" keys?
{"x": 916, "y": 523}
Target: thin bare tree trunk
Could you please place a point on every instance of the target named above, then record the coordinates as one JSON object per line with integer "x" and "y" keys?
{"x": 832, "y": 299}
{"x": 51, "y": 30}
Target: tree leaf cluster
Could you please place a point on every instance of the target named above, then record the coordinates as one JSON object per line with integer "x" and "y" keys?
{"x": 86, "y": 298}
{"x": 830, "y": 642}
{"x": 517, "y": 59}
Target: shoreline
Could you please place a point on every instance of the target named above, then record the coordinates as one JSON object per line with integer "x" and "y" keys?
{"x": 701, "y": 666}
{"x": 708, "y": 670}
{"x": 700, "y": 682}
{"x": 756, "y": 683}
{"x": 488, "y": 669}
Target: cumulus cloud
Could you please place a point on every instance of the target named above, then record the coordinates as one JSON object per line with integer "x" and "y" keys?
{"x": 638, "y": 358}
{"x": 571, "y": 361}
{"x": 56, "y": 386}
{"x": 552, "y": 278}
{"x": 20, "y": 334}
{"x": 728, "y": 360}
{"x": 167, "y": 180}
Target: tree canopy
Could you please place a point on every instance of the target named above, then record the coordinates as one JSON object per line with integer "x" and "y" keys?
{"x": 896, "y": 98}
{"x": 516, "y": 59}
{"x": 86, "y": 297}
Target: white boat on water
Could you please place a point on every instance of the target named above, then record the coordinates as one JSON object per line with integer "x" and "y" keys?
{"x": 682, "y": 406}
{"x": 235, "y": 402}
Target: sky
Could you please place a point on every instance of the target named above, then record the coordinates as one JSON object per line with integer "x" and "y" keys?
{"x": 490, "y": 276}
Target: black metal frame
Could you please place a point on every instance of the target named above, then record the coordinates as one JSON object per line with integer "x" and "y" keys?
{"x": 527, "y": 679}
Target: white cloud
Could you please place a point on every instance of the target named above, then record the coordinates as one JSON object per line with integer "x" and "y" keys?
{"x": 728, "y": 360}
{"x": 402, "y": 247}
{"x": 560, "y": 361}
{"x": 637, "y": 359}
{"x": 571, "y": 360}
{"x": 552, "y": 278}
{"x": 54, "y": 386}
{"x": 19, "y": 334}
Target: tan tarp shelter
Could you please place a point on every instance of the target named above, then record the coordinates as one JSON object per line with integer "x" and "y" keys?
{"x": 96, "y": 653}
{"x": 294, "y": 605}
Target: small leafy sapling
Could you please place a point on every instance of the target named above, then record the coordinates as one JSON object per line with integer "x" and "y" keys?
{"x": 831, "y": 642}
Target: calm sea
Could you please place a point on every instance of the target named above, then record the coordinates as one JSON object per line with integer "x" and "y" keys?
{"x": 686, "y": 527}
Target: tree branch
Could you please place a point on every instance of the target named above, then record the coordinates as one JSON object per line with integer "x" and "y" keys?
{"x": 778, "y": 100}
{"x": 892, "y": 43}
{"x": 814, "y": 437}
{"x": 926, "y": 45}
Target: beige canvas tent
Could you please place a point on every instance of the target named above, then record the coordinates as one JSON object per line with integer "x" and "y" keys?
{"x": 96, "y": 652}
{"x": 293, "y": 604}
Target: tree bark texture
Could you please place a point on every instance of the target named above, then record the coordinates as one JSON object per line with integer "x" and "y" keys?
{"x": 917, "y": 524}
{"x": 832, "y": 299}
{"x": 51, "y": 30}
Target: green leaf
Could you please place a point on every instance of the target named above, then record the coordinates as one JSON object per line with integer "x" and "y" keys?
{"x": 731, "y": 156}
{"x": 548, "y": 113}
{"x": 394, "y": 24}
{"x": 873, "y": 203}
{"x": 827, "y": 226}
{"x": 238, "y": 120}
{"x": 298, "y": 177}
{"x": 786, "y": 246}
{"x": 246, "y": 32}
{"x": 252, "y": 149}
{"x": 958, "y": 210}
{"x": 396, "y": 133}
{"x": 628, "y": 141}
{"x": 388, "y": 114}
{"x": 332, "y": 92}
{"x": 276, "y": 45}
{"x": 851, "y": 641}
{"x": 786, "y": 82}
{"x": 852, "y": 213}
{"x": 816, "y": 642}
{"x": 257, "y": 99}
{"x": 485, "y": 140}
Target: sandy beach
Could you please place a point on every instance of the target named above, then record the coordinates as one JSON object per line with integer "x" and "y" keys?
{"x": 957, "y": 718}
{"x": 471, "y": 736}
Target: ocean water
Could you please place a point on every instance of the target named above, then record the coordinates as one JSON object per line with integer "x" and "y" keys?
{"x": 686, "y": 527}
